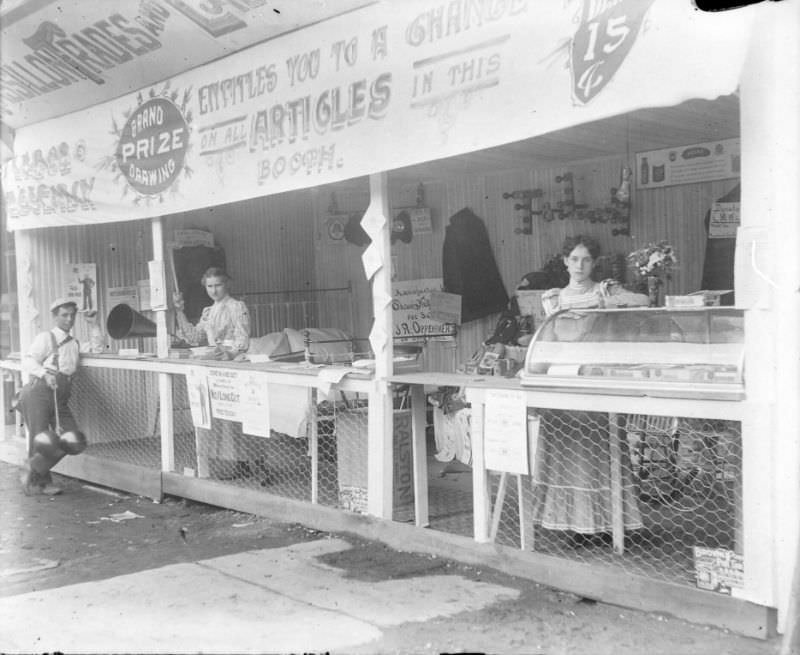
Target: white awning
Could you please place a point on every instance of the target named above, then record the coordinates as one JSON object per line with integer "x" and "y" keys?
{"x": 373, "y": 90}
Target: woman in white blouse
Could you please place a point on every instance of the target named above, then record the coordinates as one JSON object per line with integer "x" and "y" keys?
{"x": 572, "y": 486}
{"x": 225, "y": 325}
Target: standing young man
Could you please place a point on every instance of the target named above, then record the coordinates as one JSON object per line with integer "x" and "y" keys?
{"x": 50, "y": 362}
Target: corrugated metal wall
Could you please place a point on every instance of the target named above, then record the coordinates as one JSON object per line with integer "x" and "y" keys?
{"x": 282, "y": 242}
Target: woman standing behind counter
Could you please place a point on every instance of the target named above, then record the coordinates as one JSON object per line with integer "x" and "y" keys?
{"x": 225, "y": 326}
{"x": 572, "y": 482}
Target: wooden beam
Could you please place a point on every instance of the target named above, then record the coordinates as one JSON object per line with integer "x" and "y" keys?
{"x": 108, "y": 473}
{"x": 597, "y": 581}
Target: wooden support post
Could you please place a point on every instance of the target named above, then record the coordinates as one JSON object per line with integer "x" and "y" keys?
{"x": 419, "y": 455}
{"x": 498, "y": 506}
{"x": 162, "y": 350}
{"x": 313, "y": 447}
{"x": 615, "y": 433}
{"x": 480, "y": 482}
{"x": 380, "y": 432}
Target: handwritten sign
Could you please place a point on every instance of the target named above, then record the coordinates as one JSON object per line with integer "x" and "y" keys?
{"x": 411, "y": 310}
{"x": 505, "y": 431}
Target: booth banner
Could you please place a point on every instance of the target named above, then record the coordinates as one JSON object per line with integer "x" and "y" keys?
{"x": 369, "y": 91}
{"x": 87, "y": 52}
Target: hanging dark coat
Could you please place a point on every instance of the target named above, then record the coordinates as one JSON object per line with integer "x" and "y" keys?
{"x": 469, "y": 267}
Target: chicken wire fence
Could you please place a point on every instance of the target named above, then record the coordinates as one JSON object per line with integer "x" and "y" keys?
{"x": 323, "y": 458}
{"x": 677, "y": 487}
{"x": 118, "y": 411}
{"x": 672, "y": 483}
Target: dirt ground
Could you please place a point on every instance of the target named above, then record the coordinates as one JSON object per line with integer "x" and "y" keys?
{"x": 52, "y": 542}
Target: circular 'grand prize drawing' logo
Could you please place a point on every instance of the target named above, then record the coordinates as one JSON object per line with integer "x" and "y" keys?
{"x": 152, "y": 146}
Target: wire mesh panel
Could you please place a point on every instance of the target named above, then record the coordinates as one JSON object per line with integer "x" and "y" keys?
{"x": 316, "y": 451}
{"x": 677, "y": 488}
{"x": 118, "y": 410}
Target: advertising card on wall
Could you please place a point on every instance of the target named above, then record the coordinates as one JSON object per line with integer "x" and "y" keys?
{"x": 700, "y": 162}
{"x": 724, "y": 220}
{"x": 122, "y": 296}
{"x": 82, "y": 286}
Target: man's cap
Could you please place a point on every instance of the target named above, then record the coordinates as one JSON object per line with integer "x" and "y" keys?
{"x": 58, "y": 302}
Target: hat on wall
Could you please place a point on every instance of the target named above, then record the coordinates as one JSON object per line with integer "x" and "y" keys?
{"x": 59, "y": 302}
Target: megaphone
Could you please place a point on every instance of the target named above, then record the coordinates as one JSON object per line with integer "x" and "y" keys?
{"x": 124, "y": 322}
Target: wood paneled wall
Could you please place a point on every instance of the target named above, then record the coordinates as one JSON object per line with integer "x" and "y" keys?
{"x": 282, "y": 242}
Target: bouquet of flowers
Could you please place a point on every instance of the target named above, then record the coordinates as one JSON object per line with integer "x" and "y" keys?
{"x": 654, "y": 260}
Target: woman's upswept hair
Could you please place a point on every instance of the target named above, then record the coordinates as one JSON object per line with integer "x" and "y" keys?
{"x": 215, "y": 271}
{"x": 590, "y": 243}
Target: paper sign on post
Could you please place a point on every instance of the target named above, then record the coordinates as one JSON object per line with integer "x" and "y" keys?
{"x": 255, "y": 403}
{"x": 197, "y": 390}
{"x": 505, "y": 431}
{"x": 158, "y": 290}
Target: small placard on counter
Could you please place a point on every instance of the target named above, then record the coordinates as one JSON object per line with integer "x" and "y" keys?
{"x": 684, "y": 301}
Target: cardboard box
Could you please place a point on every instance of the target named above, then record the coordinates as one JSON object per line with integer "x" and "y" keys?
{"x": 530, "y": 304}
{"x": 352, "y": 460}
{"x": 712, "y": 298}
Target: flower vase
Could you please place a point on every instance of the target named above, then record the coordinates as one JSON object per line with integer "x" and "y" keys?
{"x": 654, "y": 291}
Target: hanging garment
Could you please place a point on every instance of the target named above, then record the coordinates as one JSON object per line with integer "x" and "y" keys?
{"x": 469, "y": 267}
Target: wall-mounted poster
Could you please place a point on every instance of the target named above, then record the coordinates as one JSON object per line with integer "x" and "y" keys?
{"x": 700, "y": 162}
{"x": 122, "y": 296}
{"x": 82, "y": 286}
{"x": 724, "y": 220}
{"x": 411, "y": 310}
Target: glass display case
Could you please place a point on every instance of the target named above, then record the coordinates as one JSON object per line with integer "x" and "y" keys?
{"x": 678, "y": 353}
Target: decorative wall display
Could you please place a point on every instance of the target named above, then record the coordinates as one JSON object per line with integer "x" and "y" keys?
{"x": 282, "y": 115}
{"x": 700, "y": 162}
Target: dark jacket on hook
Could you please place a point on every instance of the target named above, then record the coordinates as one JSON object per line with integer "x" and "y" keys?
{"x": 469, "y": 267}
